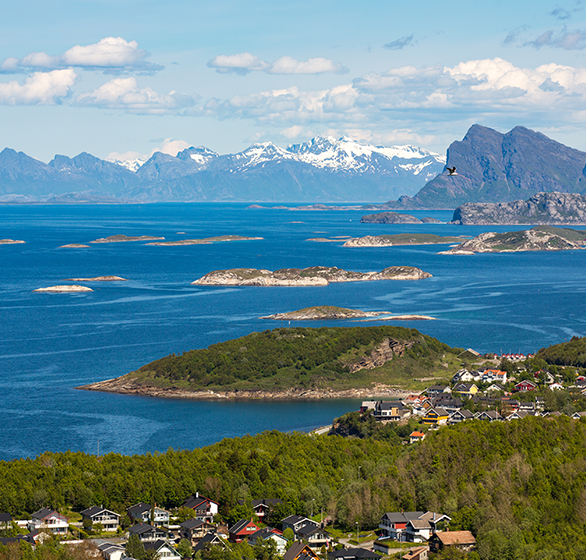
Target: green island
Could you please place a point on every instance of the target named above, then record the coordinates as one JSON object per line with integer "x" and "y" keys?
{"x": 204, "y": 240}
{"x": 331, "y": 312}
{"x": 297, "y": 362}
{"x": 539, "y": 238}
{"x": 401, "y": 239}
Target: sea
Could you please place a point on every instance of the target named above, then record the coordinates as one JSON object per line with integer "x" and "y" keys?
{"x": 52, "y": 343}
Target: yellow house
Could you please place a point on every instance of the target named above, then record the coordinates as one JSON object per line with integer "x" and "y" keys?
{"x": 466, "y": 389}
{"x": 436, "y": 417}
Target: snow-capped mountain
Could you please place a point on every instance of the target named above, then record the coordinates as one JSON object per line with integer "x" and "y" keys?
{"x": 321, "y": 170}
{"x": 130, "y": 164}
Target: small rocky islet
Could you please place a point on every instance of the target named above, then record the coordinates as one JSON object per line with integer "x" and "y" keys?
{"x": 332, "y": 312}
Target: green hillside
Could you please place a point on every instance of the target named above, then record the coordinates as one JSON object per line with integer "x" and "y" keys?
{"x": 317, "y": 358}
{"x": 571, "y": 353}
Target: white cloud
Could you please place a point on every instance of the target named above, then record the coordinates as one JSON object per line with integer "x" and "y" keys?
{"x": 244, "y": 63}
{"x": 42, "y": 88}
{"x": 124, "y": 94}
{"x": 110, "y": 54}
{"x": 172, "y": 147}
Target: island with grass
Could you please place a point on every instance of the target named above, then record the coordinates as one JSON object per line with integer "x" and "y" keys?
{"x": 205, "y": 240}
{"x": 539, "y": 238}
{"x": 312, "y": 276}
{"x": 297, "y": 363}
{"x": 331, "y": 312}
{"x": 401, "y": 239}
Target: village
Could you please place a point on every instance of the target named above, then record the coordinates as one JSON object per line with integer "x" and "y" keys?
{"x": 197, "y": 530}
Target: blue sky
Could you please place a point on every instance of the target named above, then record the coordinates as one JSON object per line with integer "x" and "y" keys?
{"x": 125, "y": 78}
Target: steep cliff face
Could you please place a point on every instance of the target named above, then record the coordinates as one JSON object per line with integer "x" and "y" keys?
{"x": 495, "y": 167}
{"x": 384, "y": 352}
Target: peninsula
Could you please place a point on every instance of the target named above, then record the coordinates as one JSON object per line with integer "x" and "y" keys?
{"x": 330, "y": 312}
{"x": 540, "y": 238}
{"x": 61, "y": 289}
{"x": 120, "y": 238}
{"x": 296, "y": 362}
{"x": 400, "y": 239}
{"x": 205, "y": 240}
{"x": 312, "y": 276}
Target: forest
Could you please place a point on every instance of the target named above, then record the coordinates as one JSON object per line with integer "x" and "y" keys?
{"x": 278, "y": 359}
{"x": 571, "y": 353}
{"x": 519, "y": 486}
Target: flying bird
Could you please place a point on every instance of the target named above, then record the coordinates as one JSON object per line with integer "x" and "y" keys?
{"x": 452, "y": 170}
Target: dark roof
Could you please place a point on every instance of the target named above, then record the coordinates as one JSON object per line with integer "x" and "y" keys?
{"x": 94, "y": 510}
{"x": 42, "y": 513}
{"x": 403, "y": 516}
{"x": 239, "y": 525}
{"x": 295, "y": 551}
{"x": 192, "y": 523}
{"x": 310, "y": 528}
{"x": 348, "y": 553}
{"x": 139, "y": 509}
{"x": 195, "y": 501}
{"x": 267, "y": 502}
{"x": 5, "y": 517}
{"x": 293, "y": 519}
{"x": 209, "y": 538}
{"x": 140, "y": 528}
{"x": 156, "y": 545}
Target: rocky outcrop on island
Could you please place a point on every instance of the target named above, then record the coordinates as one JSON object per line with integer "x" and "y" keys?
{"x": 123, "y": 238}
{"x": 496, "y": 167}
{"x": 11, "y": 241}
{"x": 324, "y": 312}
{"x": 541, "y": 238}
{"x": 64, "y": 289}
{"x": 98, "y": 279}
{"x": 74, "y": 246}
{"x": 400, "y": 239}
{"x": 205, "y": 240}
{"x": 546, "y": 208}
{"x": 390, "y": 218}
{"x": 312, "y": 276}
{"x": 382, "y": 354}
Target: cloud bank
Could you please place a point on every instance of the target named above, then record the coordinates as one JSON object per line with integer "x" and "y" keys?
{"x": 42, "y": 88}
{"x": 244, "y": 63}
{"x": 109, "y": 54}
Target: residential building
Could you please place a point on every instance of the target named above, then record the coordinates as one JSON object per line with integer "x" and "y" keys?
{"x": 142, "y": 512}
{"x": 241, "y": 530}
{"x": 436, "y": 390}
{"x": 465, "y": 389}
{"x": 490, "y": 415}
{"x": 211, "y": 539}
{"x": 111, "y": 551}
{"x": 204, "y": 508}
{"x": 353, "y": 554}
{"x": 416, "y": 436}
{"x": 393, "y": 524}
{"x": 162, "y": 550}
{"x": 420, "y": 553}
{"x": 391, "y": 410}
{"x": 411, "y": 526}
{"x": 109, "y": 520}
{"x": 300, "y": 551}
{"x": 525, "y": 385}
{"x": 262, "y": 507}
{"x": 269, "y": 533}
{"x": 306, "y": 529}
{"x": 5, "y": 520}
{"x": 147, "y": 532}
{"x": 464, "y": 540}
{"x": 460, "y": 416}
{"x": 436, "y": 417}
{"x": 195, "y": 529}
{"x": 49, "y": 520}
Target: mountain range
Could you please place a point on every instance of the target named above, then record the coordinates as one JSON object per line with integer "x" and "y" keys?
{"x": 494, "y": 167}
{"x": 324, "y": 169}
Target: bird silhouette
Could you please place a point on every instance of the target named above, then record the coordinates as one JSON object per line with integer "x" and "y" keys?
{"x": 452, "y": 170}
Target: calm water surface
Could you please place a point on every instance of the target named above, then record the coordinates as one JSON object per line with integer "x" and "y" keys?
{"x": 51, "y": 343}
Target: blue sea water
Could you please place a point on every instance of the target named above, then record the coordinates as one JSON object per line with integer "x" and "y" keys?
{"x": 51, "y": 343}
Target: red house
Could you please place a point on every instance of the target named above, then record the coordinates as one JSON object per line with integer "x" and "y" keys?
{"x": 241, "y": 530}
{"x": 525, "y": 385}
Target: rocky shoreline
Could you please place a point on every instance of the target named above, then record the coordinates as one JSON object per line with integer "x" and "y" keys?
{"x": 121, "y": 385}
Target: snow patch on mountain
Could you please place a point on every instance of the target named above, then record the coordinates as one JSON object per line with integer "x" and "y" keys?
{"x": 130, "y": 164}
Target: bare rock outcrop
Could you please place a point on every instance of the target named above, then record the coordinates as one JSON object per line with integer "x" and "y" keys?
{"x": 383, "y": 353}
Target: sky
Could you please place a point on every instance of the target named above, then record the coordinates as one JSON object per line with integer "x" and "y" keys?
{"x": 125, "y": 78}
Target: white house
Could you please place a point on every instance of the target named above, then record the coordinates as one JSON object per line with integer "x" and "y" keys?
{"x": 49, "y": 520}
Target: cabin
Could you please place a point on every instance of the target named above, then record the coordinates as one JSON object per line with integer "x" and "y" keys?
{"x": 462, "y": 540}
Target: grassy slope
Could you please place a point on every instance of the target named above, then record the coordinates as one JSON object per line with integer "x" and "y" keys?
{"x": 301, "y": 358}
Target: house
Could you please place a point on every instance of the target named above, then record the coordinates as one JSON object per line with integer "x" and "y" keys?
{"x": 460, "y": 416}
{"x": 195, "y": 529}
{"x": 436, "y": 417}
{"x": 464, "y": 540}
{"x": 269, "y": 533}
{"x": 367, "y": 405}
{"x": 519, "y": 414}
{"x": 109, "y": 520}
{"x": 555, "y": 386}
{"x": 262, "y": 507}
{"x": 419, "y": 553}
{"x": 466, "y": 389}
{"x": 204, "y": 508}
{"x": 5, "y": 520}
{"x": 463, "y": 375}
{"x": 416, "y": 436}
{"x": 353, "y": 554}
{"x": 142, "y": 513}
{"x": 391, "y": 410}
{"x": 490, "y": 375}
{"x": 490, "y": 415}
{"x": 448, "y": 403}
{"x": 495, "y": 388}
{"x": 578, "y": 415}
{"x": 411, "y": 526}
{"x": 49, "y": 520}
{"x": 162, "y": 550}
{"x": 111, "y": 551}
{"x": 436, "y": 390}
{"x": 241, "y": 530}
{"x": 147, "y": 532}
{"x": 525, "y": 385}
{"x": 211, "y": 539}
{"x": 393, "y": 525}
{"x": 417, "y": 530}
{"x": 300, "y": 551}
{"x": 307, "y": 529}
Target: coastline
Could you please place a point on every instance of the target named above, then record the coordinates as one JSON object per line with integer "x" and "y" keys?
{"x": 122, "y": 387}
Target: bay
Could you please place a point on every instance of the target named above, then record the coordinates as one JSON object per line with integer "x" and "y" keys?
{"x": 52, "y": 343}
